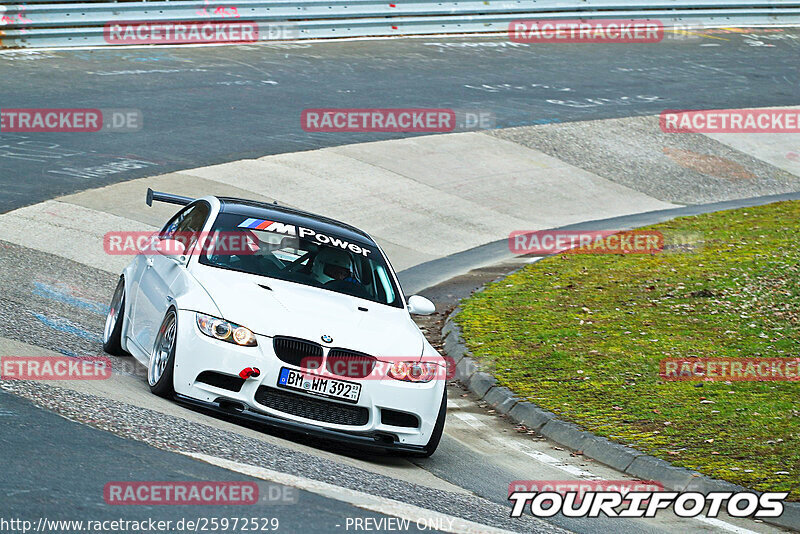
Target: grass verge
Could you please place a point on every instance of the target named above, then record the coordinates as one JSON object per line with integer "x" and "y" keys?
{"x": 583, "y": 335}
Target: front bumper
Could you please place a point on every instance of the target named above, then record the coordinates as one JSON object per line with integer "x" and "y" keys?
{"x": 370, "y": 441}
{"x": 197, "y": 353}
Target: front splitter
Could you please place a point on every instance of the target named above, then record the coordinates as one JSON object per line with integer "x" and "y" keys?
{"x": 372, "y": 442}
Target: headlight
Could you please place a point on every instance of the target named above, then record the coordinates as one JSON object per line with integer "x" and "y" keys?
{"x": 225, "y": 331}
{"x": 414, "y": 371}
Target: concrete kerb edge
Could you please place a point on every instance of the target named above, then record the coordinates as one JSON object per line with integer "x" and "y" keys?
{"x": 620, "y": 457}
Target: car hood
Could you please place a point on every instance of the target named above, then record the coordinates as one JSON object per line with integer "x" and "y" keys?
{"x": 272, "y": 307}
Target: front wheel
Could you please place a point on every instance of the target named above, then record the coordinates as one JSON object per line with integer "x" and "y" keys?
{"x": 162, "y": 359}
{"x": 112, "y": 332}
{"x": 438, "y": 430}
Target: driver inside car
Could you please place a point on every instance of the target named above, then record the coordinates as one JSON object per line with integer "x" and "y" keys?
{"x": 332, "y": 265}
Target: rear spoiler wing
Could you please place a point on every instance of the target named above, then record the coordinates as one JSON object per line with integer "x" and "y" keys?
{"x": 166, "y": 197}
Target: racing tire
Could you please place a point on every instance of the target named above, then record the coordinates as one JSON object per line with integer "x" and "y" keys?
{"x": 112, "y": 331}
{"x": 160, "y": 368}
{"x": 438, "y": 430}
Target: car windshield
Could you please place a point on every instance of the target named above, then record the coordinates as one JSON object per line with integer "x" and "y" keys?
{"x": 302, "y": 255}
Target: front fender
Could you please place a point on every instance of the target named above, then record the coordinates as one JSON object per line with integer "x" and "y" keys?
{"x": 189, "y": 294}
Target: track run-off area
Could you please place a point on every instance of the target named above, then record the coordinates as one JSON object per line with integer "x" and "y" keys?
{"x": 577, "y": 139}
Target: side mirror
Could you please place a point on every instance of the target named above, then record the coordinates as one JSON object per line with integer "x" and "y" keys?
{"x": 420, "y": 305}
{"x": 172, "y": 249}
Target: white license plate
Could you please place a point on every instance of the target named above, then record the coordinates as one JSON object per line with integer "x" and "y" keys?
{"x": 315, "y": 385}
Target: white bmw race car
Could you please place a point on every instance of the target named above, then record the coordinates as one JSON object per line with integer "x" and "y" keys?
{"x": 284, "y": 317}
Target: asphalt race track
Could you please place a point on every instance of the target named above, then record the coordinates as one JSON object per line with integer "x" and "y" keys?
{"x": 211, "y": 105}
{"x": 202, "y": 106}
{"x": 83, "y": 448}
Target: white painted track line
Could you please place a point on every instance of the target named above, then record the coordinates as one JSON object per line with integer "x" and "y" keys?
{"x": 513, "y": 443}
{"x": 558, "y": 464}
{"x": 359, "y": 499}
{"x": 718, "y": 523}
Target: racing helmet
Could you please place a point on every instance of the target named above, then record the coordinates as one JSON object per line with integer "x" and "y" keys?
{"x": 328, "y": 262}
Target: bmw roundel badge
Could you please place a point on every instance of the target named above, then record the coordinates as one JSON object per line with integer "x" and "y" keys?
{"x": 327, "y": 339}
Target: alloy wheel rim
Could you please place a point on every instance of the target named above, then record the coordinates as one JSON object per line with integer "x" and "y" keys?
{"x": 113, "y": 314}
{"x": 162, "y": 350}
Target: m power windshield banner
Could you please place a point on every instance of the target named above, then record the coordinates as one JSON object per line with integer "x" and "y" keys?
{"x": 303, "y": 233}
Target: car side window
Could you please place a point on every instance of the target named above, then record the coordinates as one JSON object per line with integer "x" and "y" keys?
{"x": 187, "y": 224}
{"x": 172, "y": 225}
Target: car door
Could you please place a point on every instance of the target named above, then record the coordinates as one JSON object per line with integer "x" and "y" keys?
{"x": 154, "y": 294}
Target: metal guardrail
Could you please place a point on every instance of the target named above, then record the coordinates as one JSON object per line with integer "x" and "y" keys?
{"x": 49, "y": 23}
